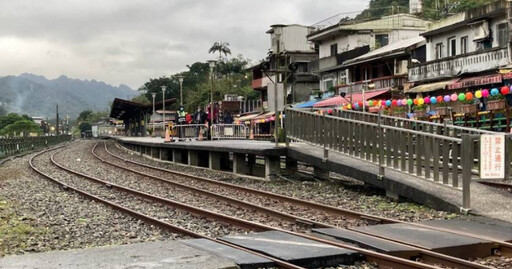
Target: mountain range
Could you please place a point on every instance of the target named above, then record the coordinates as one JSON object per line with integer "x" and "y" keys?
{"x": 37, "y": 96}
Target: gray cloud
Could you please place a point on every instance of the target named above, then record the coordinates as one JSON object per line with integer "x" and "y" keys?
{"x": 128, "y": 41}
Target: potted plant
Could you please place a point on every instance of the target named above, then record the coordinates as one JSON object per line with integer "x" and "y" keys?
{"x": 442, "y": 109}
{"x": 399, "y": 112}
{"x": 496, "y": 102}
{"x": 420, "y": 111}
{"x": 469, "y": 107}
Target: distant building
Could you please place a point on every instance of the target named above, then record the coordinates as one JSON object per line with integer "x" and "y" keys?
{"x": 346, "y": 40}
{"x": 289, "y": 44}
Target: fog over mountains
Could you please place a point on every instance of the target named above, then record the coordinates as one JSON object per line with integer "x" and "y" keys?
{"x": 37, "y": 96}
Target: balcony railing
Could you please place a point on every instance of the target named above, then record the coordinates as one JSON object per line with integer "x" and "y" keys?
{"x": 466, "y": 63}
{"x": 379, "y": 83}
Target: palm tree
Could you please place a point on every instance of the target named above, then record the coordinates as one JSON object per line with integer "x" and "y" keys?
{"x": 221, "y": 47}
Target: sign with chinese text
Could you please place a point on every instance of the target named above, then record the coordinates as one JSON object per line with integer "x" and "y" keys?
{"x": 492, "y": 156}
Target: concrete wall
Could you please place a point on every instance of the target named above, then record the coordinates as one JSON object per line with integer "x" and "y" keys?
{"x": 293, "y": 38}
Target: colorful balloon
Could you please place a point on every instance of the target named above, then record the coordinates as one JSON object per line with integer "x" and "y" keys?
{"x": 478, "y": 94}
{"x": 453, "y": 97}
{"x": 415, "y": 101}
{"x": 388, "y": 103}
{"x": 469, "y": 96}
{"x": 433, "y": 100}
{"x": 379, "y": 103}
{"x": 349, "y": 106}
{"x": 421, "y": 101}
{"x": 399, "y": 102}
{"x": 485, "y": 93}
{"x": 505, "y": 90}
{"x": 394, "y": 103}
{"x": 426, "y": 100}
{"x": 360, "y": 104}
{"x": 446, "y": 99}
{"x": 439, "y": 99}
{"x": 404, "y": 102}
{"x": 409, "y": 101}
{"x": 495, "y": 92}
{"x": 370, "y": 103}
{"x": 462, "y": 97}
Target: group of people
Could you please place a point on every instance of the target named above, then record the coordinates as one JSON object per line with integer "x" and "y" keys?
{"x": 201, "y": 117}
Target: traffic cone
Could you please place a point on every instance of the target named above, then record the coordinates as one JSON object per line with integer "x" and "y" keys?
{"x": 251, "y": 132}
{"x": 167, "y": 136}
{"x": 200, "y": 136}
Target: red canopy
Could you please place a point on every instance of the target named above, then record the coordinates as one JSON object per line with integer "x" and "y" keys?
{"x": 356, "y": 97}
{"x": 475, "y": 81}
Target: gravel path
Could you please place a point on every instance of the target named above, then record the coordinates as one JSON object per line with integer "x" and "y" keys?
{"x": 275, "y": 204}
{"x": 338, "y": 194}
{"x": 36, "y": 216}
{"x": 156, "y": 210}
{"x": 90, "y": 165}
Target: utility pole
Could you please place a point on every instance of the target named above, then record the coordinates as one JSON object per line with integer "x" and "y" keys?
{"x": 57, "y": 120}
{"x": 276, "y": 83}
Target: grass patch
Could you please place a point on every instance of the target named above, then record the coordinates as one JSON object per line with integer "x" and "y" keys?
{"x": 14, "y": 231}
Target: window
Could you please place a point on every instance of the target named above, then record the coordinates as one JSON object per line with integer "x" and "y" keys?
{"x": 439, "y": 50}
{"x": 334, "y": 49}
{"x": 502, "y": 30}
{"x": 381, "y": 41}
{"x": 452, "y": 47}
{"x": 464, "y": 45}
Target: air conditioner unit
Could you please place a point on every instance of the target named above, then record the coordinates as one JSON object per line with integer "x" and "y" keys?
{"x": 480, "y": 30}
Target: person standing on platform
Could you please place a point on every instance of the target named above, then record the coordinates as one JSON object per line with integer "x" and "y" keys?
{"x": 180, "y": 120}
{"x": 199, "y": 118}
{"x": 228, "y": 118}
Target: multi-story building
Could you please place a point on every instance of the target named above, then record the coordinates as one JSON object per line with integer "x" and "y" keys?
{"x": 350, "y": 39}
{"x": 464, "y": 51}
{"x": 293, "y": 52}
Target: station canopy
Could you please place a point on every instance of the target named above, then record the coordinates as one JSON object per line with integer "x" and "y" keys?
{"x": 126, "y": 110}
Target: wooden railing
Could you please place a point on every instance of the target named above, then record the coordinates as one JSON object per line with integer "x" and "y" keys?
{"x": 15, "y": 145}
{"x": 444, "y": 154}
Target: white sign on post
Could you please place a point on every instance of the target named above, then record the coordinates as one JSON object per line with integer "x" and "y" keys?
{"x": 492, "y": 156}
{"x": 271, "y": 96}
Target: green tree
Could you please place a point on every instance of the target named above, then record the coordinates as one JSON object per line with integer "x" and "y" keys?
{"x": 221, "y": 48}
{"x": 21, "y": 127}
{"x": 141, "y": 98}
{"x": 9, "y": 119}
{"x": 84, "y": 126}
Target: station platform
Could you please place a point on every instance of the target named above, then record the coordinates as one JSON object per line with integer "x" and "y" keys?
{"x": 485, "y": 201}
{"x": 154, "y": 255}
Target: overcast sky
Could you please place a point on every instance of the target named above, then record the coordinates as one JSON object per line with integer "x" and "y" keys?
{"x": 127, "y": 41}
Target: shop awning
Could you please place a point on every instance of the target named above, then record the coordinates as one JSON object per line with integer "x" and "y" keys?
{"x": 247, "y": 117}
{"x": 264, "y": 116}
{"x": 475, "y": 81}
{"x": 356, "y": 97}
{"x": 430, "y": 87}
{"x": 307, "y": 104}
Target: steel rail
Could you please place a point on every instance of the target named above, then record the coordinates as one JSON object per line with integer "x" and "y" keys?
{"x": 426, "y": 255}
{"x": 370, "y": 255}
{"x": 331, "y": 209}
{"x": 505, "y": 248}
{"x": 151, "y": 220}
{"x": 241, "y": 203}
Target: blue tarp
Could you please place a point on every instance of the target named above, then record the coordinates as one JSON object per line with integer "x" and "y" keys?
{"x": 307, "y": 104}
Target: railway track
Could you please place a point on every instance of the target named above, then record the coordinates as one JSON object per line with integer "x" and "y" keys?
{"x": 501, "y": 247}
{"x": 426, "y": 256}
{"x": 383, "y": 260}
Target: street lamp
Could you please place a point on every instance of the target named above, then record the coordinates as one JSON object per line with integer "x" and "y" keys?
{"x": 180, "y": 80}
{"x": 153, "y": 115}
{"x": 163, "y": 107}
{"x": 211, "y": 63}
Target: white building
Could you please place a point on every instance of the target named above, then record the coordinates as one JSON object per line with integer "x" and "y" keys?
{"x": 347, "y": 40}
{"x": 464, "y": 50}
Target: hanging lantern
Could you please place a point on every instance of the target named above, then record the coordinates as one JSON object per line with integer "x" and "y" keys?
{"x": 505, "y": 90}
